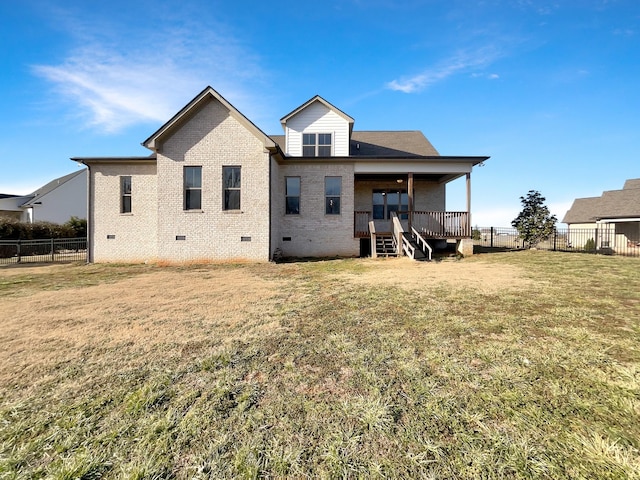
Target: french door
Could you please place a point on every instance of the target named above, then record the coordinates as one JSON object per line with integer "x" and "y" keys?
{"x": 387, "y": 201}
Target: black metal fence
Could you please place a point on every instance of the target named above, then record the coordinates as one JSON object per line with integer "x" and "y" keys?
{"x": 585, "y": 240}
{"x": 43, "y": 250}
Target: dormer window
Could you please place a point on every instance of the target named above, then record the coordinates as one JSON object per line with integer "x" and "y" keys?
{"x": 316, "y": 144}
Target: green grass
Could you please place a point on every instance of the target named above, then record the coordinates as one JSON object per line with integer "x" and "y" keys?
{"x": 540, "y": 381}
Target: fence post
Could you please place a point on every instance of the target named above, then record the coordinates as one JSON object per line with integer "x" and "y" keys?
{"x": 52, "y": 251}
{"x": 491, "y": 246}
{"x": 18, "y": 251}
{"x": 555, "y": 237}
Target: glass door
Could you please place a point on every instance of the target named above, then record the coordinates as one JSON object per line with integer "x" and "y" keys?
{"x": 387, "y": 201}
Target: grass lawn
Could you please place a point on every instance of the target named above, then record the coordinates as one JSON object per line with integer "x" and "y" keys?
{"x": 510, "y": 365}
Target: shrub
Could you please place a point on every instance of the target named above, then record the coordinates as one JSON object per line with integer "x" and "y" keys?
{"x": 78, "y": 225}
{"x": 590, "y": 246}
{"x": 11, "y": 229}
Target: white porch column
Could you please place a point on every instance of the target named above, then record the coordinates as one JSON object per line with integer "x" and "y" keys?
{"x": 469, "y": 195}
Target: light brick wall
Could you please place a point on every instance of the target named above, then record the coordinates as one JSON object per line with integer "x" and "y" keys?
{"x": 136, "y": 232}
{"x": 212, "y": 138}
{"x": 312, "y": 232}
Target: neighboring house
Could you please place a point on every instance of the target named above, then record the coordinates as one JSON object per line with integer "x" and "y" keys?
{"x": 56, "y": 202}
{"x": 614, "y": 217}
{"x": 216, "y": 187}
{"x": 10, "y": 205}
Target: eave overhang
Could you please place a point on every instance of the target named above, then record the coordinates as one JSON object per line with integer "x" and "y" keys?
{"x": 119, "y": 160}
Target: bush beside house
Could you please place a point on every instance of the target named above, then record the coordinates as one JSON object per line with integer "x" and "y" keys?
{"x": 12, "y": 229}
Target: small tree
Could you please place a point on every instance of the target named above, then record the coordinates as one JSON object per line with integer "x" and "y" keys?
{"x": 534, "y": 223}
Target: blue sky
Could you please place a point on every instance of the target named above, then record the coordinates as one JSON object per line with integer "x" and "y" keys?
{"x": 549, "y": 89}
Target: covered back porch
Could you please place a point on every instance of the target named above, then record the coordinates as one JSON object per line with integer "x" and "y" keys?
{"x": 412, "y": 206}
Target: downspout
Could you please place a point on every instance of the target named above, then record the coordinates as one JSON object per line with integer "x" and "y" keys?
{"x": 269, "y": 253}
{"x": 89, "y": 217}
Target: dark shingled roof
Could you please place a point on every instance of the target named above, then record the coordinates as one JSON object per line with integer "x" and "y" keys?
{"x": 612, "y": 204}
{"x": 384, "y": 144}
{"x": 391, "y": 144}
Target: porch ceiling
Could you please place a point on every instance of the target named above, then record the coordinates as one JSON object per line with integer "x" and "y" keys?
{"x": 424, "y": 177}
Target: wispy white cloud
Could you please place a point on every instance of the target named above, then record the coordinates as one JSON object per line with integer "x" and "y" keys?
{"x": 489, "y": 76}
{"x": 459, "y": 63}
{"x": 115, "y": 81}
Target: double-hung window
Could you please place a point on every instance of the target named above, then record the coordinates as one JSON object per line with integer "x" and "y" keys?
{"x": 192, "y": 188}
{"x": 292, "y": 195}
{"x": 332, "y": 194}
{"x": 316, "y": 144}
{"x": 125, "y": 194}
{"x": 231, "y": 188}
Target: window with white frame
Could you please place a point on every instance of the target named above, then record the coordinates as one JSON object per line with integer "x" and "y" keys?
{"x": 316, "y": 144}
{"x": 231, "y": 188}
{"x": 332, "y": 195}
{"x": 125, "y": 194}
{"x": 192, "y": 188}
{"x": 292, "y": 195}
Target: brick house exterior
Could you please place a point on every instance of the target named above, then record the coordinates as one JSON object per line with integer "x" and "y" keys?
{"x": 218, "y": 188}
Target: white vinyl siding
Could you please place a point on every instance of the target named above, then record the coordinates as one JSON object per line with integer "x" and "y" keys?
{"x": 317, "y": 118}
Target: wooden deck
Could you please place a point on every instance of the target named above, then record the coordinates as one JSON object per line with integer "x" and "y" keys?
{"x": 431, "y": 225}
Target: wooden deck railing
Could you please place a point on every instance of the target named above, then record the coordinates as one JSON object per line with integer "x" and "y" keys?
{"x": 361, "y": 224}
{"x": 442, "y": 224}
{"x": 429, "y": 224}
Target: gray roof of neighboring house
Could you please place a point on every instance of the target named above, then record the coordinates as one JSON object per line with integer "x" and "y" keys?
{"x": 52, "y": 185}
{"x": 384, "y": 144}
{"x": 612, "y": 204}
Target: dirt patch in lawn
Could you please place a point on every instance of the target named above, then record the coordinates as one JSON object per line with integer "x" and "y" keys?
{"x": 412, "y": 275}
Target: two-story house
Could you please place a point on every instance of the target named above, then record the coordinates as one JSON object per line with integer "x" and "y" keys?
{"x": 218, "y": 188}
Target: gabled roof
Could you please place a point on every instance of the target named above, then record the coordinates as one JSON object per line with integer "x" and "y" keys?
{"x": 321, "y": 100}
{"x": 51, "y": 186}
{"x": 583, "y": 210}
{"x": 611, "y": 204}
{"x": 192, "y": 107}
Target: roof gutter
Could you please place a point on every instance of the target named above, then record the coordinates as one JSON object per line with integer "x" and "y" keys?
{"x": 618, "y": 220}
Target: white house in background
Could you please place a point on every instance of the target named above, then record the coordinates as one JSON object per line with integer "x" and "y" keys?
{"x": 56, "y": 202}
{"x": 615, "y": 216}
{"x": 216, "y": 187}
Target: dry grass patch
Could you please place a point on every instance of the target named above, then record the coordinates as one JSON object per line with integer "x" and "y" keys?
{"x": 408, "y": 274}
{"x": 500, "y": 366}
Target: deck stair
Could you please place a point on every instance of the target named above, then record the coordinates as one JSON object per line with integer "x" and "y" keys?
{"x": 385, "y": 246}
{"x": 418, "y": 254}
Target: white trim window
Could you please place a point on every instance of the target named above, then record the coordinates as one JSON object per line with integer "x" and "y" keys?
{"x": 332, "y": 195}
{"x": 292, "y": 195}
{"x": 125, "y": 194}
{"x": 317, "y": 144}
{"x": 192, "y": 188}
{"x": 231, "y": 188}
